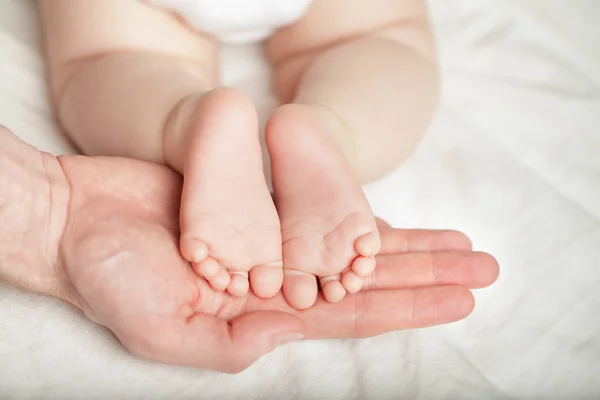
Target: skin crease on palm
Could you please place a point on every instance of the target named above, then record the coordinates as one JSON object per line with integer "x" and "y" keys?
{"x": 118, "y": 261}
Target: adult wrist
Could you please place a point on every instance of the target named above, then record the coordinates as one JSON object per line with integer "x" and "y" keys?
{"x": 34, "y": 196}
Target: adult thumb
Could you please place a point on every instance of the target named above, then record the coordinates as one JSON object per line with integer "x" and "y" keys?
{"x": 232, "y": 346}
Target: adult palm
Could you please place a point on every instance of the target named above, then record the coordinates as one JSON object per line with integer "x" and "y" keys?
{"x": 120, "y": 254}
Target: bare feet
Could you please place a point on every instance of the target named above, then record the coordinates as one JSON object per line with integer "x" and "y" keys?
{"x": 229, "y": 224}
{"x": 328, "y": 229}
{"x": 123, "y": 269}
{"x": 118, "y": 261}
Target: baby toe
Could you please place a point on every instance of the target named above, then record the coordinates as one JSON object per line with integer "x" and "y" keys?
{"x": 221, "y": 281}
{"x": 192, "y": 249}
{"x": 239, "y": 284}
{"x": 364, "y": 266}
{"x": 208, "y": 268}
{"x": 332, "y": 288}
{"x": 351, "y": 282}
{"x": 368, "y": 245}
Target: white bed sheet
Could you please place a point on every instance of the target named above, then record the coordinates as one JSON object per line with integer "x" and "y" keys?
{"x": 512, "y": 159}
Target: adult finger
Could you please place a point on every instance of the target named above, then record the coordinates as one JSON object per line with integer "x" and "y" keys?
{"x": 372, "y": 313}
{"x": 422, "y": 240}
{"x": 400, "y": 271}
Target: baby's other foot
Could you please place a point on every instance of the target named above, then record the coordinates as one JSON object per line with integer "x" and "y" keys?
{"x": 229, "y": 224}
{"x": 328, "y": 228}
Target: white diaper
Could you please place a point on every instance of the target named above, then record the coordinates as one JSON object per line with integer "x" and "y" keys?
{"x": 237, "y": 21}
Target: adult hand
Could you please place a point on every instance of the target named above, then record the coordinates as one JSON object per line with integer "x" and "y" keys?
{"x": 119, "y": 253}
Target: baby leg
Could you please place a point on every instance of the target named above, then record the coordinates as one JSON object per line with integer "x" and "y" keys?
{"x": 360, "y": 89}
{"x": 131, "y": 80}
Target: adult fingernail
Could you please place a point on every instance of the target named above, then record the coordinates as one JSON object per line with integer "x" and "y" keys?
{"x": 287, "y": 338}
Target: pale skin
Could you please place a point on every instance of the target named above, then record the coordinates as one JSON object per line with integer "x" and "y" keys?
{"x": 356, "y": 94}
{"x": 110, "y": 249}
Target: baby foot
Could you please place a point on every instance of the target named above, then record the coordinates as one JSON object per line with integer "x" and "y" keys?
{"x": 328, "y": 228}
{"x": 229, "y": 224}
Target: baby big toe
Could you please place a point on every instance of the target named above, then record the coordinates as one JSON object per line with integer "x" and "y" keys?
{"x": 266, "y": 280}
{"x": 300, "y": 289}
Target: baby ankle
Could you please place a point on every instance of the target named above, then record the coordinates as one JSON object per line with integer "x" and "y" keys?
{"x": 176, "y": 131}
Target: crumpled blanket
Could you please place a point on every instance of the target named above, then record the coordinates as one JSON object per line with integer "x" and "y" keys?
{"x": 512, "y": 158}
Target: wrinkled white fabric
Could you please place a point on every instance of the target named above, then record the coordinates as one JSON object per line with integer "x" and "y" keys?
{"x": 237, "y": 21}
{"x": 512, "y": 158}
